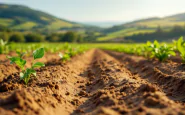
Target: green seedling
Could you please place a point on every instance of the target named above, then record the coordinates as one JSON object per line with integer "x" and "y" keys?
{"x": 147, "y": 50}
{"x": 180, "y": 44}
{"x": 138, "y": 50}
{"x": 54, "y": 50}
{"x": 72, "y": 52}
{"x": 161, "y": 52}
{"x": 3, "y": 46}
{"x": 20, "y": 54}
{"x": 26, "y": 73}
{"x": 65, "y": 57}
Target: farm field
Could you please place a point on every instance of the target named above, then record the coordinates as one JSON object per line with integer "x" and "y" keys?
{"x": 95, "y": 79}
{"x": 125, "y": 32}
{"x": 92, "y": 57}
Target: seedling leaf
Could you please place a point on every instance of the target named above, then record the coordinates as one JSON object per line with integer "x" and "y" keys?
{"x": 39, "y": 53}
{"x": 17, "y": 60}
{"x": 20, "y": 54}
{"x": 26, "y": 73}
{"x": 38, "y": 64}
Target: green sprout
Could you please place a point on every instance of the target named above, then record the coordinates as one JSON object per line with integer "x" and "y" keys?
{"x": 64, "y": 57}
{"x": 26, "y": 73}
{"x": 161, "y": 52}
{"x": 72, "y": 51}
{"x": 181, "y": 48}
{"x": 3, "y": 46}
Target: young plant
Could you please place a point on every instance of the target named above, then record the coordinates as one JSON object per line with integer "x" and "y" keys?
{"x": 138, "y": 50}
{"x": 161, "y": 52}
{"x": 27, "y": 72}
{"x": 20, "y": 54}
{"x": 64, "y": 57}
{"x": 147, "y": 49}
{"x": 3, "y": 46}
{"x": 181, "y": 48}
{"x": 72, "y": 52}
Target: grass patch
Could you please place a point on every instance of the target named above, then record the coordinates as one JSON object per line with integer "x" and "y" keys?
{"x": 122, "y": 33}
{"x": 5, "y": 22}
{"x": 26, "y": 25}
{"x": 59, "y": 24}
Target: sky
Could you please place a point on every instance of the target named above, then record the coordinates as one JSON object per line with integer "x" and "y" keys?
{"x": 104, "y": 10}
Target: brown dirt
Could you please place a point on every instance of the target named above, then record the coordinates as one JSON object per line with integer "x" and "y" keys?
{"x": 7, "y": 69}
{"x": 96, "y": 83}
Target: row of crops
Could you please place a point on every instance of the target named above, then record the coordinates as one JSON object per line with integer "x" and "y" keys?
{"x": 37, "y": 51}
{"x": 161, "y": 51}
{"x": 6, "y": 48}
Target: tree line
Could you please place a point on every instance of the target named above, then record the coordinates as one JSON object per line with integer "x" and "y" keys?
{"x": 36, "y": 37}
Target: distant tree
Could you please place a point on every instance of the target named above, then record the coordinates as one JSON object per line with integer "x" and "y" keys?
{"x": 70, "y": 37}
{"x": 53, "y": 38}
{"x": 61, "y": 36}
{"x": 177, "y": 29}
{"x": 80, "y": 39}
{"x": 159, "y": 29}
{"x": 4, "y": 29}
{"x": 90, "y": 36}
{"x": 34, "y": 37}
{"x": 18, "y": 21}
{"x": 17, "y": 37}
{"x": 4, "y": 36}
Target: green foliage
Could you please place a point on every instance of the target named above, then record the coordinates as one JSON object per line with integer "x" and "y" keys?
{"x": 17, "y": 37}
{"x": 147, "y": 50}
{"x": 53, "y": 37}
{"x": 37, "y": 64}
{"x": 39, "y": 53}
{"x": 24, "y": 18}
{"x": 18, "y": 61}
{"x": 25, "y": 76}
{"x": 64, "y": 57}
{"x": 72, "y": 51}
{"x": 3, "y": 46}
{"x": 64, "y": 37}
{"x": 160, "y": 34}
{"x": 20, "y": 54}
{"x": 27, "y": 72}
{"x": 161, "y": 52}
{"x": 4, "y": 36}
{"x": 34, "y": 37}
{"x": 54, "y": 50}
{"x": 70, "y": 37}
{"x": 181, "y": 48}
{"x": 80, "y": 39}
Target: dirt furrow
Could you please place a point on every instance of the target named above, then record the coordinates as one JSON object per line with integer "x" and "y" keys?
{"x": 7, "y": 69}
{"x": 113, "y": 90}
{"x": 169, "y": 76}
{"x": 54, "y": 91}
{"x": 95, "y": 83}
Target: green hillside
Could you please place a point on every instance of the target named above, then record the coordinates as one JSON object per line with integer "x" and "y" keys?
{"x": 142, "y": 26}
{"x": 24, "y": 18}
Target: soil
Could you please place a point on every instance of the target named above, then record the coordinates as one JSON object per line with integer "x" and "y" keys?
{"x": 95, "y": 83}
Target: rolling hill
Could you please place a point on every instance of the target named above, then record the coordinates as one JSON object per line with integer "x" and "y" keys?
{"x": 148, "y": 25}
{"x": 20, "y": 17}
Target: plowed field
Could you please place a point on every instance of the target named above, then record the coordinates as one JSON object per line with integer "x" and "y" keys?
{"x": 97, "y": 82}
